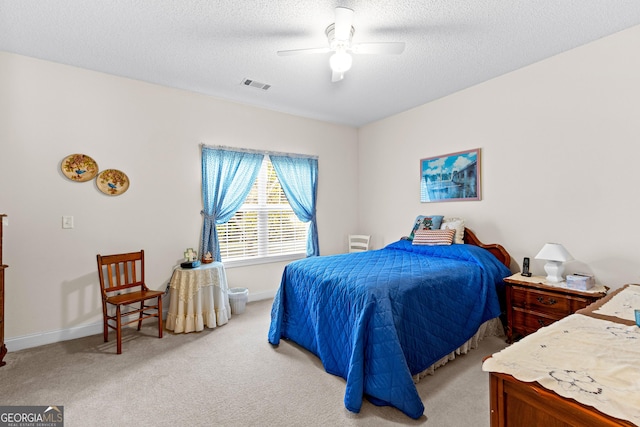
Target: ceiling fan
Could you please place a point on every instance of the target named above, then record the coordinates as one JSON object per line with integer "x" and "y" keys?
{"x": 339, "y": 35}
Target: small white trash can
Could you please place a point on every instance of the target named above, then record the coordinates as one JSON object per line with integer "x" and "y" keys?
{"x": 238, "y": 298}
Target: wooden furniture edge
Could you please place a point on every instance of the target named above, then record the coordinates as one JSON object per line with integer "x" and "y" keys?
{"x": 546, "y": 287}
{"x": 3, "y": 347}
{"x": 589, "y": 310}
{"x": 572, "y": 412}
{"x": 496, "y": 249}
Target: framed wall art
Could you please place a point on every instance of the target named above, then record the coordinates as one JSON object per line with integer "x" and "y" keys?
{"x": 451, "y": 177}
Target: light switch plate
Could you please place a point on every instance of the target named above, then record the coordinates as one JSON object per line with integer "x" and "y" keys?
{"x": 67, "y": 221}
{"x": 5, "y": 220}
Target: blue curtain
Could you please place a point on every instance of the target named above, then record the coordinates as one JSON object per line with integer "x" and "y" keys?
{"x": 298, "y": 177}
{"x": 227, "y": 178}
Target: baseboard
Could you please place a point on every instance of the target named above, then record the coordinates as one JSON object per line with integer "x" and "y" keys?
{"x": 50, "y": 337}
{"x": 262, "y": 295}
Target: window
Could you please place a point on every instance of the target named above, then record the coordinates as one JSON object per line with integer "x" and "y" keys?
{"x": 265, "y": 227}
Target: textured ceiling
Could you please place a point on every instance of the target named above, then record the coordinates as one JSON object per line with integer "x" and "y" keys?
{"x": 210, "y": 46}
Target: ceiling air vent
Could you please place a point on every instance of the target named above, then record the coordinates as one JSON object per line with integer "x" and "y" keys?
{"x": 257, "y": 85}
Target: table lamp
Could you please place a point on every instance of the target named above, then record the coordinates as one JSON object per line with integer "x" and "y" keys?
{"x": 556, "y": 255}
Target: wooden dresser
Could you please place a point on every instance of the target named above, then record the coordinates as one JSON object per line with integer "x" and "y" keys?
{"x": 531, "y": 304}
{"x": 514, "y": 403}
{"x": 3, "y": 348}
{"x": 517, "y": 403}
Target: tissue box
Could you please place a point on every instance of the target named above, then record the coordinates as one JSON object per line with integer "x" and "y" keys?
{"x": 581, "y": 282}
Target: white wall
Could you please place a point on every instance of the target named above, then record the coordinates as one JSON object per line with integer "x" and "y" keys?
{"x": 152, "y": 133}
{"x": 560, "y": 146}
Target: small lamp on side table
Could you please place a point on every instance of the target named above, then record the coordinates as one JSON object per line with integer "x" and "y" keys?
{"x": 556, "y": 255}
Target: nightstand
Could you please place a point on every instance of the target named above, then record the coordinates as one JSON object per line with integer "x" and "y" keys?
{"x": 532, "y": 303}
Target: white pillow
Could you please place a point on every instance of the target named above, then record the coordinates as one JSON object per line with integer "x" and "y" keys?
{"x": 456, "y": 224}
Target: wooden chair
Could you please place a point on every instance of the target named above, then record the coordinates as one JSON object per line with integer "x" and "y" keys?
{"x": 122, "y": 285}
{"x": 358, "y": 242}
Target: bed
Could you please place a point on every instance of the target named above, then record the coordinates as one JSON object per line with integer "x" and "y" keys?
{"x": 379, "y": 318}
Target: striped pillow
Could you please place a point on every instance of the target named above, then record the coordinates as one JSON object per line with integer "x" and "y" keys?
{"x": 434, "y": 237}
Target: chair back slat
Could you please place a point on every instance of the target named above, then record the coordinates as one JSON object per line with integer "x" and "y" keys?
{"x": 359, "y": 242}
{"x": 121, "y": 272}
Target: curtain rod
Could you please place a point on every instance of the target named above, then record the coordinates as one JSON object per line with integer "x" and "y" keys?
{"x": 250, "y": 150}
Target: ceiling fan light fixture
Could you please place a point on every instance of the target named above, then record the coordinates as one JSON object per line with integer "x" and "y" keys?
{"x": 340, "y": 61}
{"x": 340, "y": 35}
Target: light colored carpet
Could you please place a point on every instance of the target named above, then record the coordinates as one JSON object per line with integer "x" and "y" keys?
{"x": 228, "y": 376}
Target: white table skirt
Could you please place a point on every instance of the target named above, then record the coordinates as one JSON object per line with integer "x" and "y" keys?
{"x": 199, "y": 298}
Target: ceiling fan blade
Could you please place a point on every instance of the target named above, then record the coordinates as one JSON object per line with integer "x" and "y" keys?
{"x": 303, "y": 51}
{"x": 390, "y": 48}
{"x": 336, "y": 77}
{"x": 344, "y": 21}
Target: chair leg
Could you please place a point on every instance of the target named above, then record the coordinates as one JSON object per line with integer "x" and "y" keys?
{"x": 160, "y": 316}
{"x": 105, "y": 331}
{"x": 141, "y": 313}
{"x": 119, "y": 329}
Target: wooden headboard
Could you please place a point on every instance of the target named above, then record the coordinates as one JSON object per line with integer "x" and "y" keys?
{"x": 497, "y": 250}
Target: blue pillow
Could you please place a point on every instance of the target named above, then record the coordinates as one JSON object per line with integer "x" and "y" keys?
{"x": 426, "y": 222}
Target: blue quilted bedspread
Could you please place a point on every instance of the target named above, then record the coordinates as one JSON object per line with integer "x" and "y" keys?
{"x": 376, "y": 318}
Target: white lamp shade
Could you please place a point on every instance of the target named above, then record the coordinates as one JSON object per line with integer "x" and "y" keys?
{"x": 556, "y": 255}
{"x": 554, "y": 252}
{"x": 340, "y": 61}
